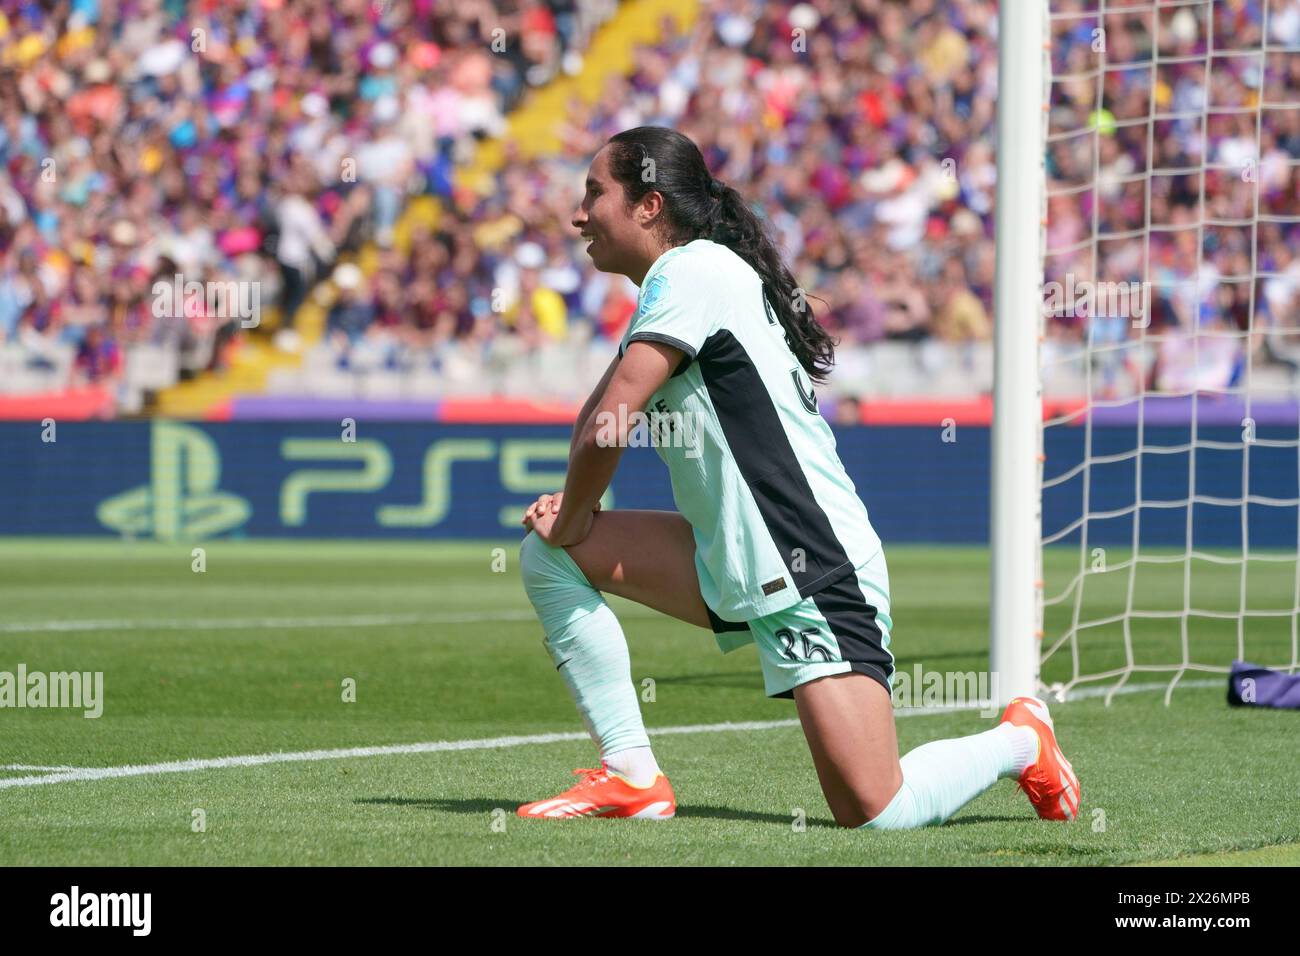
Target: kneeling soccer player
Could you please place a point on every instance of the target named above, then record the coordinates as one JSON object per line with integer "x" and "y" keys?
{"x": 771, "y": 543}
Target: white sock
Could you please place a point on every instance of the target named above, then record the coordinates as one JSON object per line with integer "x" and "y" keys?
{"x": 1024, "y": 746}
{"x": 637, "y": 764}
{"x": 941, "y": 777}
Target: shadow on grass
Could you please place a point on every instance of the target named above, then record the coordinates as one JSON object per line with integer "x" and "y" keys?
{"x": 694, "y": 811}
{"x": 985, "y": 818}
{"x": 481, "y": 805}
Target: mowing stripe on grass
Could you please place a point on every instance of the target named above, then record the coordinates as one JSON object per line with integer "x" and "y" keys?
{"x": 253, "y": 623}
{"x": 28, "y": 766}
{"x": 82, "y": 774}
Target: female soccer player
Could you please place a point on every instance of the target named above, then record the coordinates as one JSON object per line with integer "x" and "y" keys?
{"x": 771, "y": 544}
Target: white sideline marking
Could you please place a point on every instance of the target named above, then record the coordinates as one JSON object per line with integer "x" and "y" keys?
{"x": 79, "y": 774}
{"x": 253, "y": 623}
{"x": 253, "y": 760}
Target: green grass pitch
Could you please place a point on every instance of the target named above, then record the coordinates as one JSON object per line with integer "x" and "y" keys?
{"x": 250, "y": 657}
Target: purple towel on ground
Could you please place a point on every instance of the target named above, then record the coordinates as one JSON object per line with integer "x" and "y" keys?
{"x": 1250, "y": 685}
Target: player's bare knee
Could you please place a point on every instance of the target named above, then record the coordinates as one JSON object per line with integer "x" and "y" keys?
{"x": 855, "y": 806}
{"x": 850, "y": 818}
{"x": 855, "y": 809}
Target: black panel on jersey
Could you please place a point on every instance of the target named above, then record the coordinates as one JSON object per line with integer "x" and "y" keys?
{"x": 754, "y": 433}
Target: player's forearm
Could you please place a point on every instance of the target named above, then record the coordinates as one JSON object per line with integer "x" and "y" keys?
{"x": 590, "y": 404}
{"x": 580, "y": 424}
{"x": 591, "y": 468}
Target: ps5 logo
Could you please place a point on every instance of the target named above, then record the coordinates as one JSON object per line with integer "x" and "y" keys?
{"x": 181, "y": 501}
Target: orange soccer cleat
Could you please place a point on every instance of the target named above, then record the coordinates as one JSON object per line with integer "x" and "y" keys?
{"x": 1049, "y": 782}
{"x": 605, "y": 793}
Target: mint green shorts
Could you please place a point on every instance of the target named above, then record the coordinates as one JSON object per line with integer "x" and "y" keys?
{"x": 842, "y": 628}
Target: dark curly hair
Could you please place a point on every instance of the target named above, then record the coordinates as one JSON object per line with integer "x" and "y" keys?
{"x": 697, "y": 206}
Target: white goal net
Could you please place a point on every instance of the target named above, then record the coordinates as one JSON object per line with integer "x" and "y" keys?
{"x": 1170, "y": 341}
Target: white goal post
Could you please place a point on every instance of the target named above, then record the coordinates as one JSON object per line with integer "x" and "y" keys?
{"x": 1015, "y": 523}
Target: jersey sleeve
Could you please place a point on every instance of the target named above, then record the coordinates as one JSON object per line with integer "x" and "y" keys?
{"x": 675, "y": 309}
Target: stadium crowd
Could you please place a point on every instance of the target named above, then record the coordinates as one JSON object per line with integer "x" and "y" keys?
{"x": 142, "y": 138}
{"x": 252, "y": 141}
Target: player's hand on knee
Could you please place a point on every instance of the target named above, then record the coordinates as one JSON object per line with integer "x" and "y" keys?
{"x": 544, "y": 522}
{"x": 542, "y": 505}
{"x": 549, "y": 503}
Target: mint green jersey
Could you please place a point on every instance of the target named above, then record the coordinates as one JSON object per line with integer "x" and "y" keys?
{"x": 752, "y": 462}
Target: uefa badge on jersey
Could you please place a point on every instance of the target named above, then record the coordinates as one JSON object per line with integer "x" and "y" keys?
{"x": 653, "y": 293}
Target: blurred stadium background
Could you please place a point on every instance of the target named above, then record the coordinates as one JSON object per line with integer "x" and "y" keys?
{"x": 401, "y": 193}
{"x": 394, "y": 181}
{"x": 390, "y": 183}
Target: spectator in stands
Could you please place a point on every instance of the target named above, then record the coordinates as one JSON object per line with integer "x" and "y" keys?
{"x": 871, "y": 145}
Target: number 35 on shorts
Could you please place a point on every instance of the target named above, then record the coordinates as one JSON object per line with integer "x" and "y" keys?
{"x": 803, "y": 645}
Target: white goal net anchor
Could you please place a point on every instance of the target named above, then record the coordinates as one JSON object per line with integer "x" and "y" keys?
{"x": 1148, "y": 297}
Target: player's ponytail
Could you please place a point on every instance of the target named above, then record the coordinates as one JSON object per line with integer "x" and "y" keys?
{"x": 697, "y": 206}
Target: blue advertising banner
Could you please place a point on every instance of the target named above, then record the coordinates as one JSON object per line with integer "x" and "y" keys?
{"x": 190, "y": 481}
